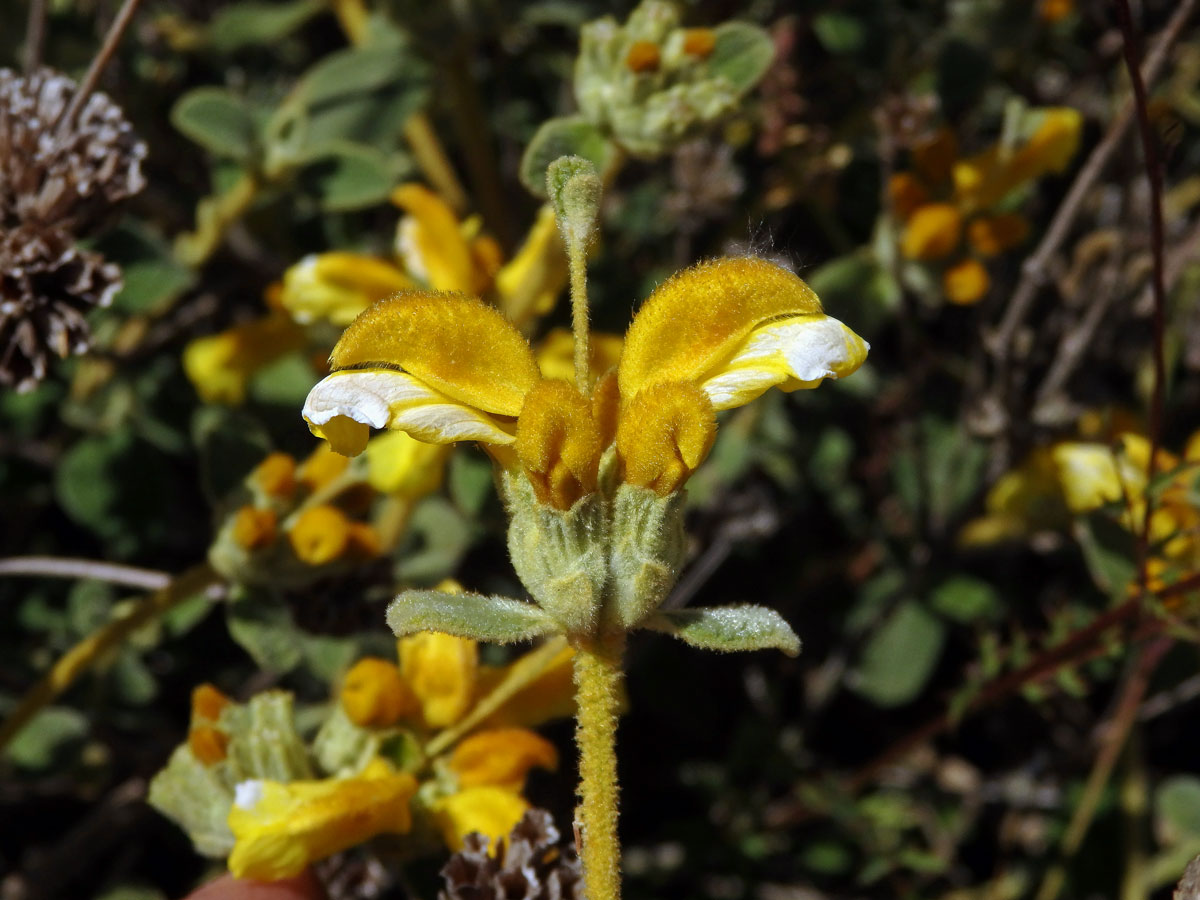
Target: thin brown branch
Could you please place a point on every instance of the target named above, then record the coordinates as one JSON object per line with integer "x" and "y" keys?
{"x": 1112, "y": 741}
{"x": 62, "y": 567}
{"x": 1154, "y": 177}
{"x": 35, "y": 34}
{"x": 92, "y": 77}
{"x": 1036, "y": 269}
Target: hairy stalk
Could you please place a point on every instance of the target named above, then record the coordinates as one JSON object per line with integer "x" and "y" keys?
{"x": 35, "y": 34}
{"x": 80, "y": 658}
{"x": 577, "y": 256}
{"x": 598, "y": 677}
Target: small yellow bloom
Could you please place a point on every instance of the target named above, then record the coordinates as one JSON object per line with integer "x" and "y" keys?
{"x": 906, "y": 194}
{"x": 321, "y": 467}
{"x": 402, "y": 465}
{"x": 982, "y": 181}
{"x": 992, "y": 235}
{"x": 550, "y": 695}
{"x": 501, "y": 757}
{"x": 490, "y": 811}
{"x": 530, "y": 283}
{"x": 1054, "y": 11}
{"x": 254, "y": 528}
{"x": 431, "y": 244}
{"x": 699, "y": 42}
{"x": 208, "y": 744}
{"x": 966, "y": 282}
{"x": 374, "y": 695}
{"x": 320, "y": 535}
{"x": 280, "y": 828}
{"x": 932, "y": 232}
{"x": 207, "y": 703}
{"x": 275, "y": 476}
{"x": 643, "y": 56}
{"x": 441, "y": 670}
{"x": 336, "y": 287}
{"x": 220, "y": 366}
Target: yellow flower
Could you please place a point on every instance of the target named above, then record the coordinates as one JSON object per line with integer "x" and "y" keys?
{"x": 932, "y": 232}
{"x": 966, "y": 282}
{"x": 254, "y": 528}
{"x": 402, "y": 465}
{"x": 490, "y": 811}
{"x": 446, "y": 367}
{"x": 375, "y": 695}
{"x": 441, "y": 671}
{"x": 281, "y": 828}
{"x": 338, "y": 286}
{"x": 275, "y": 476}
{"x": 992, "y": 235}
{"x": 556, "y": 354}
{"x": 501, "y": 757}
{"x": 220, "y": 366}
{"x": 431, "y": 244}
{"x": 529, "y": 285}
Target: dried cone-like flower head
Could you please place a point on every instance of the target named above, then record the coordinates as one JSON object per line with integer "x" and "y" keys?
{"x": 66, "y": 175}
{"x": 527, "y": 864}
{"x": 47, "y": 285}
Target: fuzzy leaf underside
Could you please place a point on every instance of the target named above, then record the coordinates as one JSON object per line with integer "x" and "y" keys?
{"x": 500, "y": 620}
{"x": 727, "y": 628}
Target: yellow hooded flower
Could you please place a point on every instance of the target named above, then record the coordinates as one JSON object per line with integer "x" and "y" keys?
{"x": 501, "y": 757}
{"x": 281, "y": 828}
{"x": 338, "y": 286}
{"x": 447, "y": 367}
{"x": 402, "y": 465}
{"x": 490, "y": 811}
{"x": 441, "y": 670}
{"x": 221, "y": 366}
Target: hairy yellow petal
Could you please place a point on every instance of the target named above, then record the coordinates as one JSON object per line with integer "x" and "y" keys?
{"x": 558, "y": 444}
{"x": 530, "y": 283}
{"x": 664, "y": 434}
{"x": 279, "y": 829}
{"x": 491, "y": 811}
{"x": 347, "y": 404}
{"x": 501, "y": 757}
{"x": 458, "y": 345}
{"x": 697, "y": 319}
{"x": 430, "y": 242}
{"x": 336, "y": 287}
{"x": 441, "y": 670}
{"x": 374, "y": 695}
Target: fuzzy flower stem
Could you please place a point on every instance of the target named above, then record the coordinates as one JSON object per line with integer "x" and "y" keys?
{"x": 598, "y": 676}
{"x": 577, "y": 255}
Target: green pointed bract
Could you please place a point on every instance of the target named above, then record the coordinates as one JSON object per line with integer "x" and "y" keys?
{"x": 197, "y": 798}
{"x": 560, "y": 557}
{"x": 263, "y": 740}
{"x": 648, "y": 549}
{"x": 500, "y": 620}
{"x": 728, "y": 628}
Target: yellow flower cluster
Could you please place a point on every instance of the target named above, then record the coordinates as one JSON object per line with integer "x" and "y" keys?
{"x": 954, "y": 210}
{"x": 433, "y": 249}
{"x": 1072, "y": 478}
{"x": 295, "y": 516}
{"x": 469, "y": 721}
{"x": 448, "y": 367}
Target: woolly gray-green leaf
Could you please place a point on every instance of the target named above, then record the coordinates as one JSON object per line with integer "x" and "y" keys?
{"x": 727, "y": 628}
{"x": 496, "y": 619}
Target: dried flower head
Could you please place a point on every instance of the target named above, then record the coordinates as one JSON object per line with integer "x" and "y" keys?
{"x": 528, "y": 865}
{"x": 57, "y": 174}
{"x": 47, "y": 285}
